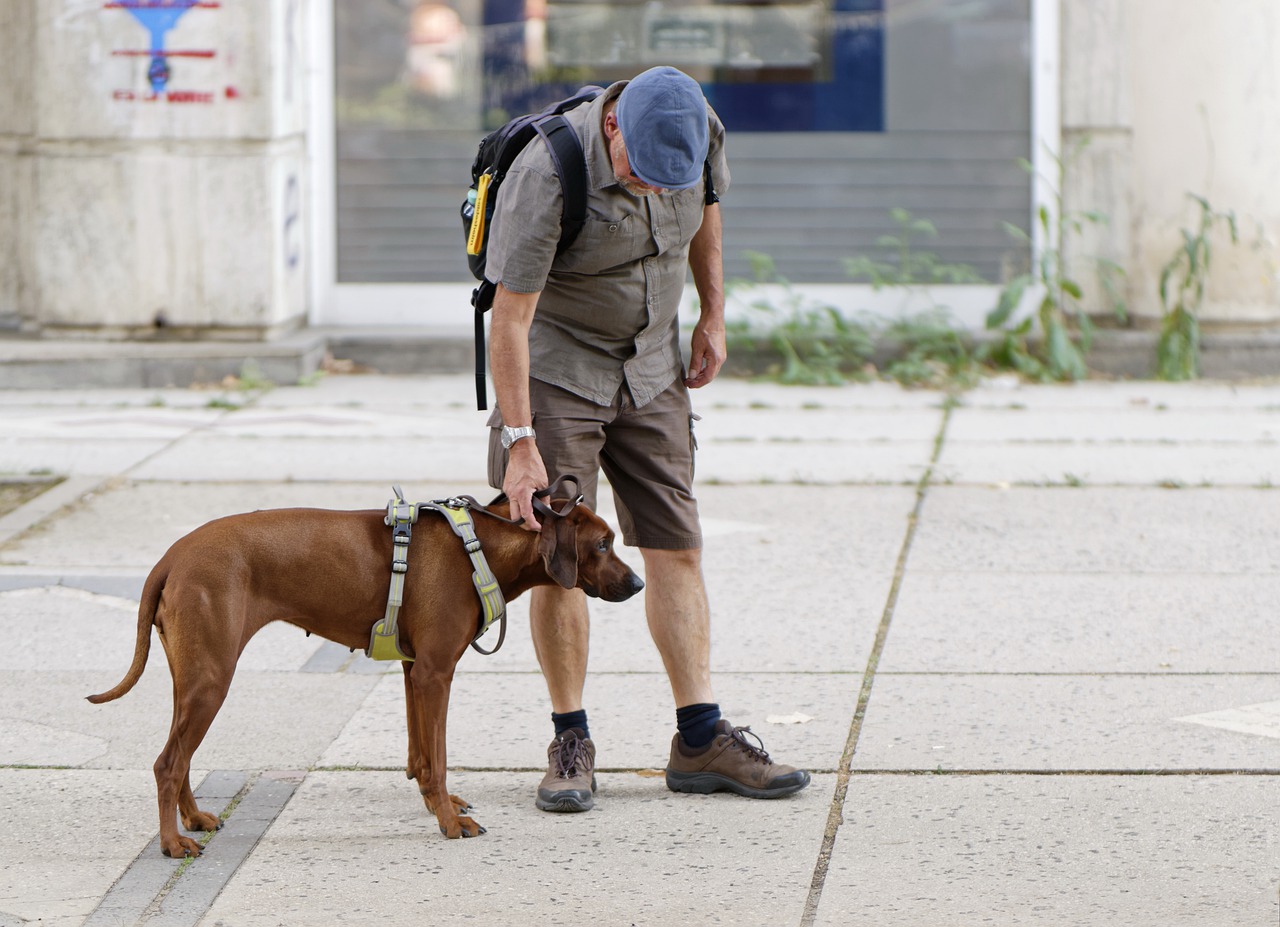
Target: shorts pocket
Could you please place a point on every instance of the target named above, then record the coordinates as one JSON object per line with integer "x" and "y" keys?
{"x": 497, "y": 453}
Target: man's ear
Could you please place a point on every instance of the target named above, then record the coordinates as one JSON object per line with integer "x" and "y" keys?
{"x": 558, "y": 545}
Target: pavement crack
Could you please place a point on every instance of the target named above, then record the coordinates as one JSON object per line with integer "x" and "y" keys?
{"x": 836, "y": 817}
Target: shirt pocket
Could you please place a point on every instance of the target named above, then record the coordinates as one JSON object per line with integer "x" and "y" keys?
{"x": 602, "y": 245}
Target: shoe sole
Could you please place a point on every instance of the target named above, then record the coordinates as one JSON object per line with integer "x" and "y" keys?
{"x": 569, "y": 802}
{"x": 706, "y": 783}
{"x": 565, "y": 804}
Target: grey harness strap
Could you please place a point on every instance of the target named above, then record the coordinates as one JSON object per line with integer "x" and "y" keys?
{"x": 384, "y": 639}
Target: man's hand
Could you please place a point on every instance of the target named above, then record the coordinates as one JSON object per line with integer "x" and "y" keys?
{"x": 707, "y": 347}
{"x": 707, "y": 354}
{"x": 526, "y": 473}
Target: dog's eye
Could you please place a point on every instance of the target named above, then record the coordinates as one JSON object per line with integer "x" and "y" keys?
{"x": 603, "y": 546}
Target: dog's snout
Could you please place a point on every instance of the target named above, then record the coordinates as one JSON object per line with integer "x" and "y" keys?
{"x": 623, "y": 588}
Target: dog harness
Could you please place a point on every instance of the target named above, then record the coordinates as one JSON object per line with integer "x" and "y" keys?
{"x": 384, "y": 640}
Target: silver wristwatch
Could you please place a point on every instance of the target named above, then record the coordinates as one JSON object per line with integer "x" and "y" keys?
{"x": 511, "y": 435}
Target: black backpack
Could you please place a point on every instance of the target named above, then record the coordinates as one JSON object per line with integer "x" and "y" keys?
{"x": 497, "y": 151}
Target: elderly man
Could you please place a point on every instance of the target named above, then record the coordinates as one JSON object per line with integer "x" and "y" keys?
{"x": 587, "y": 370}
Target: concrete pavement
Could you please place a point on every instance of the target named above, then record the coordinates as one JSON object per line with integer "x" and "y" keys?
{"x": 1026, "y": 642}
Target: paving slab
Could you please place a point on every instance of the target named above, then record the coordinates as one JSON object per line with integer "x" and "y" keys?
{"x": 832, "y": 462}
{"x": 98, "y": 423}
{"x": 71, "y": 629}
{"x": 1101, "y": 530}
{"x": 1171, "y": 465}
{"x": 62, "y": 401}
{"x": 1084, "y": 623}
{"x": 735, "y": 392}
{"x": 337, "y": 424}
{"x": 1127, "y": 425}
{"x": 68, "y": 834}
{"x": 452, "y": 394}
{"x": 359, "y": 847}
{"x": 72, "y": 457}
{"x": 1119, "y": 395}
{"x": 503, "y": 720}
{"x": 384, "y": 459}
{"x": 1043, "y": 851}
{"x": 1056, "y": 723}
{"x": 132, "y": 523}
{"x": 818, "y": 424}
{"x": 269, "y": 720}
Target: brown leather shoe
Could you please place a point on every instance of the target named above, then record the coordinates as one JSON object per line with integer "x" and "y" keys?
{"x": 571, "y": 774}
{"x": 731, "y": 763}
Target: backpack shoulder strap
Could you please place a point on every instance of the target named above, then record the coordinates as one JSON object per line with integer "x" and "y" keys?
{"x": 571, "y": 167}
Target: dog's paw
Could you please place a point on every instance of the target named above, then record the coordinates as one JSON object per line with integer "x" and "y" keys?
{"x": 179, "y": 847}
{"x": 202, "y": 820}
{"x": 464, "y": 827}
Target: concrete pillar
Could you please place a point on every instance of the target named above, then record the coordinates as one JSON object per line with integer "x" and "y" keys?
{"x": 1178, "y": 97}
{"x": 1097, "y": 141}
{"x": 1207, "y": 90}
{"x": 166, "y": 172}
{"x": 17, "y": 124}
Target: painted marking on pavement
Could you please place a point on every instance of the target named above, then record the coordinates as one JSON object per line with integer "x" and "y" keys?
{"x": 1261, "y": 720}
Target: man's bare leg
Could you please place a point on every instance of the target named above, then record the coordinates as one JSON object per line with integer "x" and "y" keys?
{"x": 560, "y": 626}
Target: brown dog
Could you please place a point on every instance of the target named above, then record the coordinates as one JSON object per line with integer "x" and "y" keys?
{"x": 328, "y": 573}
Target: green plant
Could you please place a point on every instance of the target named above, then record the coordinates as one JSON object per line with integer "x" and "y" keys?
{"x": 930, "y": 350}
{"x": 816, "y": 344}
{"x": 1056, "y": 354}
{"x": 251, "y": 378}
{"x": 911, "y": 267}
{"x": 1182, "y": 285}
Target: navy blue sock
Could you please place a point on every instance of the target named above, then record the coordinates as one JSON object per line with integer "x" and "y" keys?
{"x": 697, "y": 723}
{"x": 571, "y": 719}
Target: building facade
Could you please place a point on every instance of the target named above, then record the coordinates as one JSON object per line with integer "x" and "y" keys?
{"x": 226, "y": 169}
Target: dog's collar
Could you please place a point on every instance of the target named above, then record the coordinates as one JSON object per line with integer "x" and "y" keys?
{"x": 384, "y": 639}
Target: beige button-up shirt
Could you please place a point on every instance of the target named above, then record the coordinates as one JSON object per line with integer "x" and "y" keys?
{"x": 608, "y": 310}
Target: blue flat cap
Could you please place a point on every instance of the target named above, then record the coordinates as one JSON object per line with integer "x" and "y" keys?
{"x": 663, "y": 118}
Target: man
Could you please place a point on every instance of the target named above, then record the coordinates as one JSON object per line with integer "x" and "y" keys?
{"x": 585, "y": 355}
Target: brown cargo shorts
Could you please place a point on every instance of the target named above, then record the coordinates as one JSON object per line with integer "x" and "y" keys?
{"x": 646, "y": 455}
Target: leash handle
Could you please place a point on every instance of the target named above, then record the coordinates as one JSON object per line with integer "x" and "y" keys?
{"x": 542, "y": 508}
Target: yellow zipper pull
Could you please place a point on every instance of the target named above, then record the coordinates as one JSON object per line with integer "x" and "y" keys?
{"x": 475, "y": 237}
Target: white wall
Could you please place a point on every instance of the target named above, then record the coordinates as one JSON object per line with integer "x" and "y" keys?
{"x": 17, "y": 116}
{"x": 1178, "y": 97}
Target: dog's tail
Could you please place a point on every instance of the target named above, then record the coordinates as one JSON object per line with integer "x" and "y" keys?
{"x": 142, "y": 647}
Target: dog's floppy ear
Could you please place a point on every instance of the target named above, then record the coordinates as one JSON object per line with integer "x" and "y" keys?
{"x": 558, "y": 545}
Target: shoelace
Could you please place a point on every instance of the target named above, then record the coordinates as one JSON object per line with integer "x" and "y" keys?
{"x": 756, "y": 751}
{"x": 571, "y": 750}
